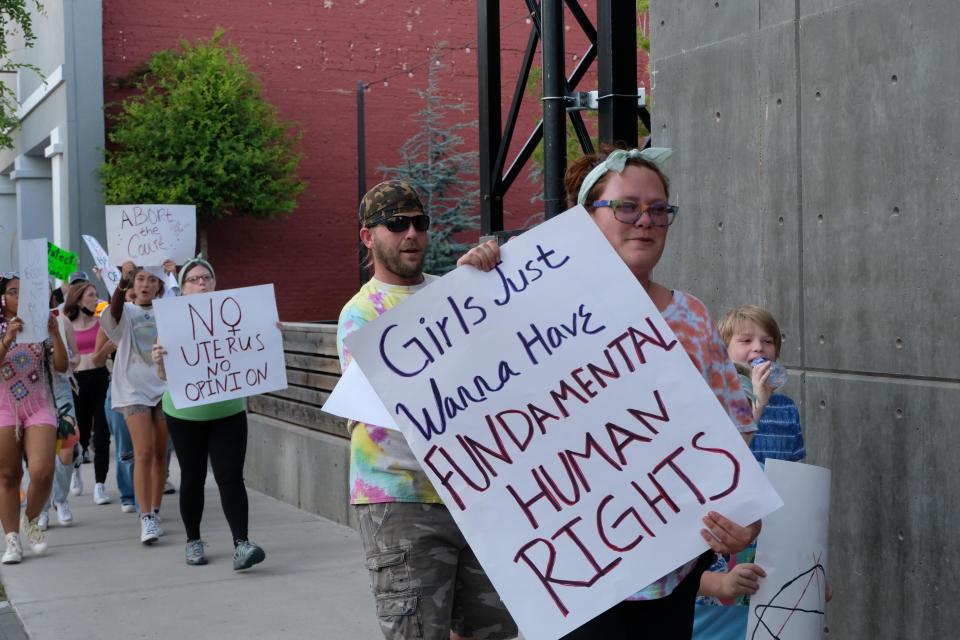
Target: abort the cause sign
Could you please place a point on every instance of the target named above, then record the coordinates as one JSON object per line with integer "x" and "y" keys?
{"x": 221, "y": 345}
{"x": 148, "y": 234}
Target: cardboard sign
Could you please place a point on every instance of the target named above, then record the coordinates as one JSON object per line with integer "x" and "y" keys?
{"x": 33, "y": 306}
{"x": 61, "y": 262}
{"x": 221, "y": 345}
{"x": 148, "y": 234}
{"x": 792, "y": 549}
{"x": 109, "y": 273}
{"x": 562, "y": 423}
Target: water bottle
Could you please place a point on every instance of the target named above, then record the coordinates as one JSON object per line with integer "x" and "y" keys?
{"x": 778, "y": 375}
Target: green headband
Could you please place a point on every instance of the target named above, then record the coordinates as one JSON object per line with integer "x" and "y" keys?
{"x": 617, "y": 161}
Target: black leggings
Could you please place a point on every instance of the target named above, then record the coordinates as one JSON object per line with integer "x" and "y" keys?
{"x": 225, "y": 441}
{"x": 93, "y": 384}
{"x": 669, "y": 618}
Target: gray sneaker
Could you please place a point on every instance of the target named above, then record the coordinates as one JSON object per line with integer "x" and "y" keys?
{"x": 246, "y": 555}
{"x": 195, "y": 554}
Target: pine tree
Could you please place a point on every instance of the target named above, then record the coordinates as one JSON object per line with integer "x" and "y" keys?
{"x": 433, "y": 160}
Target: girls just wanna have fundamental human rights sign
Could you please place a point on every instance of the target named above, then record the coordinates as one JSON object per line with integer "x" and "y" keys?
{"x": 562, "y": 422}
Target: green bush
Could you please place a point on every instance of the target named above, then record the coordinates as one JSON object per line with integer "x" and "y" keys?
{"x": 199, "y": 132}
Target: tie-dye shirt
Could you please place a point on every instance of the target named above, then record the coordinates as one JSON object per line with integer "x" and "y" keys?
{"x": 689, "y": 320}
{"x": 382, "y": 466}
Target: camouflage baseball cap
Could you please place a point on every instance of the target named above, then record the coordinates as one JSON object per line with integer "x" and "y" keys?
{"x": 388, "y": 199}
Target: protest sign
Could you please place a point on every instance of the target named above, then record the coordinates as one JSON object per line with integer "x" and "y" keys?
{"x": 792, "y": 549}
{"x": 109, "y": 273}
{"x": 354, "y": 399}
{"x": 60, "y": 262}
{"x": 148, "y": 234}
{"x": 562, "y": 423}
{"x": 33, "y": 305}
{"x": 221, "y": 345}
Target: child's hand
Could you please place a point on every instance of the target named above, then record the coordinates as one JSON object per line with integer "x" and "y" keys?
{"x": 742, "y": 580}
{"x": 759, "y": 376}
{"x": 726, "y": 536}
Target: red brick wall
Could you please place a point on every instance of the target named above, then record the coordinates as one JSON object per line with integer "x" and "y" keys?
{"x": 309, "y": 55}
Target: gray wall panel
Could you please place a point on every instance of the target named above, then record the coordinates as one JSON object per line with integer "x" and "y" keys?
{"x": 881, "y": 180}
{"x": 895, "y": 498}
{"x": 682, "y": 25}
{"x": 736, "y": 238}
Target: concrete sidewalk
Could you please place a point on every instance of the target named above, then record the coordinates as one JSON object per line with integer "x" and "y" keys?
{"x": 98, "y": 581}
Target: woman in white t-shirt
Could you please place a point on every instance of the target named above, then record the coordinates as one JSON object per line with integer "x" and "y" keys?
{"x": 136, "y": 390}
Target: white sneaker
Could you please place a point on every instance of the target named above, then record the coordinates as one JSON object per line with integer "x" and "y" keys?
{"x": 64, "y": 515}
{"x": 44, "y": 519}
{"x": 34, "y": 535}
{"x": 100, "y": 494}
{"x": 76, "y": 482}
{"x": 126, "y": 507}
{"x": 148, "y": 529}
{"x": 159, "y": 520}
{"x": 14, "y": 552}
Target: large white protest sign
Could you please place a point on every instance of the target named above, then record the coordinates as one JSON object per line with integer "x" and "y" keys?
{"x": 148, "y": 234}
{"x": 33, "y": 305}
{"x": 221, "y": 345}
{"x": 792, "y": 549}
{"x": 562, "y": 422}
{"x": 109, "y": 273}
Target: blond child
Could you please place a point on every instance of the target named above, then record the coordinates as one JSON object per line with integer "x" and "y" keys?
{"x": 749, "y": 332}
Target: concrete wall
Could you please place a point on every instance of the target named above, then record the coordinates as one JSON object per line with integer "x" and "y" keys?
{"x": 817, "y": 173}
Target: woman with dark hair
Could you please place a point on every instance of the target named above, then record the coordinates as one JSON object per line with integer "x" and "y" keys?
{"x": 136, "y": 390}
{"x": 92, "y": 381}
{"x": 28, "y": 422}
{"x": 217, "y": 431}
{"x": 627, "y": 195}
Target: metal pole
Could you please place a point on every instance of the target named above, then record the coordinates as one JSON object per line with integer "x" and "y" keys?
{"x": 554, "y": 108}
{"x": 490, "y": 125}
{"x": 617, "y": 71}
{"x": 361, "y": 176}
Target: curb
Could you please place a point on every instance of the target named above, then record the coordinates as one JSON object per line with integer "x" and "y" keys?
{"x": 11, "y": 627}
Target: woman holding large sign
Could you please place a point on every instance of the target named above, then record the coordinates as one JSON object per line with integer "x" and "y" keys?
{"x": 136, "y": 390}
{"x": 218, "y": 431}
{"x": 626, "y": 194}
{"x": 28, "y": 421}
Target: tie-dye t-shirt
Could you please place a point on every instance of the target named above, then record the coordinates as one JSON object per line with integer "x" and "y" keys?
{"x": 689, "y": 320}
{"x": 382, "y": 466}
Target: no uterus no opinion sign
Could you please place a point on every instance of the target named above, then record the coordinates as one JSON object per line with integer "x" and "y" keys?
{"x": 562, "y": 422}
{"x": 221, "y": 345}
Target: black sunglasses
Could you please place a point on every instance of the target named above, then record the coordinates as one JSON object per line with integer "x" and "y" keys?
{"x": 398, "y": 224}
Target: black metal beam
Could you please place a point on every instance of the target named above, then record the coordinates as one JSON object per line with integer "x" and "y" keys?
{"x": 554, "y": 107}
{"x": 514, "y": 112}
{"x": 617, "y": 71}
{"x": 488, "y": 73}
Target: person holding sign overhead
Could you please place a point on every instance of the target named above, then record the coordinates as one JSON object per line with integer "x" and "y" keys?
{"x": 627, "y": 195}
{"x": 136, "y": 390}
{"x": 28, "y": 422}
{"x": 426, "y": 579}
{"x": 219, "y": 431}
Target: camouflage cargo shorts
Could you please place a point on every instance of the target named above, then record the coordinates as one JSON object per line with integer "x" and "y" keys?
{"x": 425, "y": 579}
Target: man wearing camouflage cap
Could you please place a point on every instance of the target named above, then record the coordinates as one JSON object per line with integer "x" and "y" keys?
{"x": 426, "y": 580}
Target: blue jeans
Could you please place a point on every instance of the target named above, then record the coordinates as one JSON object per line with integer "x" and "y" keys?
{"x": 124, "y": 452}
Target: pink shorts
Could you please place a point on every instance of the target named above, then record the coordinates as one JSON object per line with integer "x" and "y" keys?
{"x": 30, "y": 415}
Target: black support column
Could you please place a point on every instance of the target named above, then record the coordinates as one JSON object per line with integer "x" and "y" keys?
{"x": 617, "y": 71}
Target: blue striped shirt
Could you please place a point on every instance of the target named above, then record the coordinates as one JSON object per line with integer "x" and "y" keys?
{"x": 779, "y": 436}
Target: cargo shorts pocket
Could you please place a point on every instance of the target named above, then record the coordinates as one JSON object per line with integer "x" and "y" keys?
{"x": 398, "y": 605}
